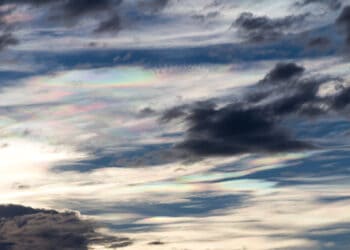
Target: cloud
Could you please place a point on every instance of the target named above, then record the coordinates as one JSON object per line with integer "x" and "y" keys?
{"x": 6, "y": 36}
{"x": 341, "y": 100}
{"x": 207, "y": 16}
{"x": 10, "y": 211}
{"x": 331, "y": 4}
{"x": 70, "y": 8}
{"x": 7, "y": 39}
{"x": 112, "y": 24}
{"x": 233, "y": 130}
{"x": 283, "y": 72}
{"x": 174, "y": 113}
{"x": 72, "y": 11}
{"x": 319, "y": 42}
{"x": 153, "y": 5}
{"x": 252, "y": 124}
{"x": 343, "y": 21}
{"x": 258, "y": 29}
{"x": 77, "y": 8}
{"x": 29, "y": 228}
{"x": 145, "y": 112}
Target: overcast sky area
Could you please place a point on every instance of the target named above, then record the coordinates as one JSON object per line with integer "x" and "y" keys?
{"x": 173, "y": 124}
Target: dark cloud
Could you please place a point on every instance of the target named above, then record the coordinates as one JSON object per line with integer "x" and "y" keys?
{"x": 77, "y": 8}
{"x": 263, "y": 29}
{"x": 108, "y": 14}
{"x": 319, "y": 42}
{"x": 233, "y": 130}
{"x": 29, "y": 228}
{"x": 113, "y": 24}
{"x": 145, "y": 112}
{"x": 253, "y": 123}
{"x": 7, "y": 39}
{"x": 285, "y": 91}
{"x": 331, "y": 4}
{"x": 183, "y": 110}
{"x": 153, "y": 5}
{"x": 31, "y": 2}
{"x": 300, "y": 100}
{"x": 10, "y": 211}
{"x": 341, "y": 100}
{"x": 174, "y": 113}
{"x": 6, "y": 36}
{"x": 70, "y": 8}
{"x": 156, "y": 243}
{"x": 71, "y": 12}
{"x": 283, "y": 72}
{"x": 343, "y": 21}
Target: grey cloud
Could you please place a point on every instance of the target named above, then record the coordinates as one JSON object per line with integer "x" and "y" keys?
{"x": 174, "y": 113}
{"x": 341, "y": 100}
{"x": 319, "y": 42}
{"x": 331, "y": 4}
{"x": 153, "y": 5}
{"x": 71, "y": 8}
{"x": 29, "y": 228}
{"x": 283, "y": 72}
{"x": 232, "y": 130}
{"x": 113, "y": 24}
{"x": 264, "y": 29}
{"x": 343, "y": 22}
{"x": 76, "y": 8}
{"x": 70, "y": 13}
{"x": 6, "y": 36}
{"x": 108, "y": 14}
{"x": 10, "y": 211}
{"x": 145, "y": 112}
{"x": 7, "y": 39}
{"x": 205, "y": 17}
{"x": 252, "y": 124}
{"x": 182, "y": 111}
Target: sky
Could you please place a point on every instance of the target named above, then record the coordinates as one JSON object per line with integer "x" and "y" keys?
{"x": 173, "y": 124}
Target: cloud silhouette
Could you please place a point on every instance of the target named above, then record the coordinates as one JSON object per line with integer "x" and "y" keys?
{"x": 28, "y": 228}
